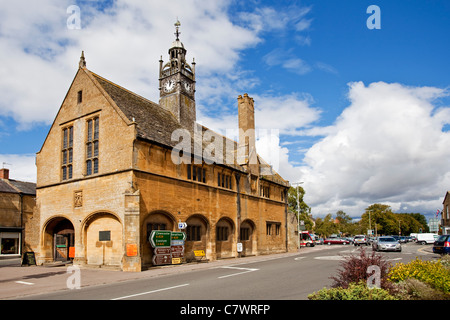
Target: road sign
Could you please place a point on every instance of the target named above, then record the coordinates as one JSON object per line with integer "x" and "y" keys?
{"x": 182, "y": 225}
{"x": 177, "y": 249}
{"x": 162, "y": 259}
{"x": 160, "y": 238}
{"x": 239, "y": 247}
{"x": 159, "y": 251}
{"x": 178, "y": 236}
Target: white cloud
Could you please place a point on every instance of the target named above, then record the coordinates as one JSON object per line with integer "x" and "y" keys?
{"x": 21, "y": 167}
{"x": 387, "y": 146}
{"x": 122, "y": 42}
{"x": 287, "y": 60}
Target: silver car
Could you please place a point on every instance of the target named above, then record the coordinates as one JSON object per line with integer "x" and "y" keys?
{"x": 386, "y": 244}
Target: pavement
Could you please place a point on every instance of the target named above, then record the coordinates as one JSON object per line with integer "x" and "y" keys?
{"x": 18, "y": 281}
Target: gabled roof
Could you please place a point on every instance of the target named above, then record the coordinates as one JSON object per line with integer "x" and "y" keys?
{"x": 155, "y": 124}
{"x": 446, "y": 195}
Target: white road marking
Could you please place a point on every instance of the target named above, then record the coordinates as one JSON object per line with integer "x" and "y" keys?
{"x": 149, "y": 292}
{"x": 299, "y": 258}
{"x": 235, "y": 274}
{"x": 24, "y": 282}
{"x": 330, "y": 258}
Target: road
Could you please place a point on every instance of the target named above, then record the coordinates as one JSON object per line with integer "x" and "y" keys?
{"x": 272, "y": 277}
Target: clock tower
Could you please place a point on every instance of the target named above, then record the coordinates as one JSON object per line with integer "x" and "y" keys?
{"x": 177, "y": 84}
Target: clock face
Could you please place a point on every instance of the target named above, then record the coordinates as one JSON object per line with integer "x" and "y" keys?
{"x": 187, "y": 86}
{"x": 169, "y": 85}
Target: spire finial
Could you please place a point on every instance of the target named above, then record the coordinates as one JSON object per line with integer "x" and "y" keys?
{"x": 177, "y": 26}
{"x": 82, "y": 62}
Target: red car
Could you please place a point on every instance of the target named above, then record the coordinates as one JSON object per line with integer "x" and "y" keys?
{"x": 331, "y": 241}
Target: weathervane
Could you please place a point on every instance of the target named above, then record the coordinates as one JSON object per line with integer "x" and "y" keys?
{"x": 177, "y": 32}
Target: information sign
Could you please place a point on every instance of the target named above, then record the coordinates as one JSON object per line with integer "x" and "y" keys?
{"x": 131, "y": 250}
{"x": 199, "y": 253}
{"x": 176, "y": 260}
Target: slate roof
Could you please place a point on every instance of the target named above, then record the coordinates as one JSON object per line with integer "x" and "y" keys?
{"x": 156, "y": 124}
{"x": 14, "y": 186}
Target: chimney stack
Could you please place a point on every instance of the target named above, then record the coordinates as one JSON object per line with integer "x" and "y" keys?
{"x": 247, "y": 156}
{"x": 4, "y": 173}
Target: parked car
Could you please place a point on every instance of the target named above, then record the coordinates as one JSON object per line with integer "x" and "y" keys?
{"x": 331, "y": 241}
{"x": 360, "y": 239}
{"x": 425, "y": 238}
{"x": 403, "y": 239}
{"x": 319, "y": 241}
{"x": 442, "y": 244}
{"x": 386, "y": 244}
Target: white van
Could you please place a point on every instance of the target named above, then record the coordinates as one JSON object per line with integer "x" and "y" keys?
{"x": 425, "y": 238}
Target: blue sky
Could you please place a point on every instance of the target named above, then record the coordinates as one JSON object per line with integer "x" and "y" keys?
{"x": 362, "y": 115}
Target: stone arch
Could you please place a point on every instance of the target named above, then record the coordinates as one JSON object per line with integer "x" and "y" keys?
{"x": 225, "y": 238}
{"x": 103, "y": 239}
{"x": 155, "y": 220}
{"x": 58, "y": 236}
{"x": 247, "y": 236}
{"x": 197, "y": 234}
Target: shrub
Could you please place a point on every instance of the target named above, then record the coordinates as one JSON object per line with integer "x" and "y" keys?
{"x": 413, "y": 289}
{"x": 354, "y": 291}
{"x": 354, "y": 269}
{"x": 433, "y": 273}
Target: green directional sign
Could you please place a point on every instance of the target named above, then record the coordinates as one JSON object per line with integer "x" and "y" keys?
{"x": 178, "y": 236}
{"x": 160, "y": 238}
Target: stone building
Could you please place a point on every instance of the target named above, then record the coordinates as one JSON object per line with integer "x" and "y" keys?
{"x": 17, "y": 203}
{"x": 115, "y": 166}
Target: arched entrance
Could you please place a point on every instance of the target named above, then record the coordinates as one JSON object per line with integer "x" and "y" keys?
{"x": 247, "y": 238}
{"x": 197, "y": 234}
{"x": 59, "y": 239}
{"x": 224, "y": 238}
{"x": 156, "y": 220}
{"x": 103, "y": 239}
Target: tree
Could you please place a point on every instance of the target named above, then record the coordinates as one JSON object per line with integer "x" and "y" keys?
{"x": 325, "y": 226}
{"x": 305, "y": 210}
{"x": 384, "y": 221}
{"x": 345, "y": 222}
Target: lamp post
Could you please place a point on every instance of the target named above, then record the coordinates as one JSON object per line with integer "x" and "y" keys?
{"x": 298, "y": 210}
{"x": 370, "y": 225}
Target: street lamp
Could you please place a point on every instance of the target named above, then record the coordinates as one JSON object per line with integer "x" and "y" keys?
{"x": 298, "y": 209}
{"x": 370, "y": 226}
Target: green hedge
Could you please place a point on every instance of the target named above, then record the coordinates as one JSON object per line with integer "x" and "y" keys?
{"x": 354, "y": 292}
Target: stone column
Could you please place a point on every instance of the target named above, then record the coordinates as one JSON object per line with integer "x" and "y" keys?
{"x": 131, "y": 261}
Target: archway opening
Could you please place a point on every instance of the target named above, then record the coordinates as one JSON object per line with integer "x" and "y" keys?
{"x": 157, "y": 220}
{"x": 247, "y": 238}
{"x": 103, "y": 240}
{"x": 59, "y": 240}
{"x": 225, "y": 238}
